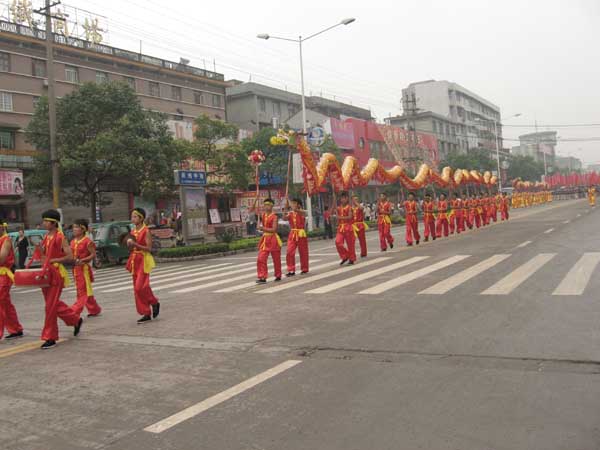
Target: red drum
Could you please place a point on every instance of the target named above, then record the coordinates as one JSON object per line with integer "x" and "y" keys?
{"x": 32, "y": 277}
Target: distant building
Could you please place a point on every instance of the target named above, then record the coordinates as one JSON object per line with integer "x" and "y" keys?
{"x": 568, "y": 162}
{"x": 593, "y": 168}
{"x": 254, "y": 106}
{"x": 449, "y": 104}
{"x": 540, "y": 146}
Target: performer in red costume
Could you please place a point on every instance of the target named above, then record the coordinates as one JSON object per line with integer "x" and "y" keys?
{"x": 84, "y": 252}
{"x": 359, "y": 225}
{"x": 269, "y": 244}
{"x": 345, "y": 239}
{"x": 8, "y": 314}
{"x": 297, "y": 239}
{"x": 412, "y": 223}
{"x": 140, "y": 264}
{"x": 384, "y": 222}
{"x": 428, "y": 218}
{"x": 442, "y": 218}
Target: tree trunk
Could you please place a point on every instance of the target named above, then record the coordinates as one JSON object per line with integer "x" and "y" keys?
{"x": 93, "y": 200}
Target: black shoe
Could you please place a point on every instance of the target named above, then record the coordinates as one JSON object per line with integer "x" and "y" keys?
{"x": 344, "y": 261}
{"x": 261, "y": 281}
{"x": 409, "y": 245}
{"x": 426, "y": 239}
{"x": 417, "y": 242}
{"x": 144, "y": 319}
{"x": 384, "y": 249}
{"x": 290, "y": 274}
{"x": 14, "y": 335}
{"x": 363, "y": 256}
{"x": 278, "y": 279}
{"x": 77, "y": 328}
{"x": 304, "y": 272}
{"x": 350, "y": 263}
{"x": 155, "y": 310}
{"x": 391, "y": 245}
{"x": 434, "y": 238}
{"x": 48, "y": 344}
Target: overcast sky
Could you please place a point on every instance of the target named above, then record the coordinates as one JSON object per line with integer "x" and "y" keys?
{"x": 535, "y": 57}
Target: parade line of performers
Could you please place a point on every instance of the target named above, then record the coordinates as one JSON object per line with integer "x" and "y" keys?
{"x": 55, "y": 251}
{"x": 441, "y": 217}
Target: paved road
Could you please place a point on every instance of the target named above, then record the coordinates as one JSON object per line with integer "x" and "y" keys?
{"x": 488, "y": 340}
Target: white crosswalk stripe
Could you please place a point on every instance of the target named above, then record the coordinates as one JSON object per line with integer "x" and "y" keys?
{"x": 154, "y": 277}
{"x": 390, "y": 284}
{"x": 214, "y": 272}
{"x": 232, "y": 279}
{"x": 514, "y": 279}
{"x": 365, "y": 276}
{"x": 313, "y": 278}
{"x": 450, "y": 283}
{"x": 576, "y": 280}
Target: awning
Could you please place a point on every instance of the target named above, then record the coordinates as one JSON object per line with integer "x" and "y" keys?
{"x": 12, "y": 126}
{"x": 11, "y": 201}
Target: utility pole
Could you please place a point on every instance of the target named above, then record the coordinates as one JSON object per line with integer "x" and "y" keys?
{"x": 410, "y": 107}
{"x": 54, "y": 161}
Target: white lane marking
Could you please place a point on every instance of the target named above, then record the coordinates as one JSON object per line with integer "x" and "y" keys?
{"x": 313, "y": 278}
{"x": 382, "y": 287}
{"x": 567, "y": 221}
{"x": 450, "y": 283}
{"x": 217, "y": 399}
{"x": 126, "y": 277}
{"x": 229, "y": 280}
{"x": 514, "y": 279}
{"x": 549, "y": 230}
{"x": 578, "y": 215}
{"x": 365, "y": 276}
{"x": 218, "y": 272}
{"x": 576, "y": 280}
{"x": 179, "y": 274}
{"x": 524, "y": 244}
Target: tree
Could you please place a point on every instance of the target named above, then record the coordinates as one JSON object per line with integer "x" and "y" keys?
{"x": 106, "y": 142}
{"x": 475, "y": 159}
{"x": 275, "y": 166}
{"x": 526, "y": 168}
{"x": 226, "y": 161}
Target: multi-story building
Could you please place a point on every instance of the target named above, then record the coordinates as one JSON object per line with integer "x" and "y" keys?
{"x": 253, "y": 106}
{"x": 568, "y": 163}
{"x": 176, "y": 89}
{"x": 541, "y": 146}
{"x": 447, "y": 132}
{"x": 476, "y": 120}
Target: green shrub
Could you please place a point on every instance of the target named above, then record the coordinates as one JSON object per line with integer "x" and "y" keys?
{"x": 227, "y": 235}
{"x": 242, "y": 244}
{"x": 317, "y": 232}
{"x": 397, "y": 220}
{"x": 372, "y": 224}
{"x": 193, "y": 250}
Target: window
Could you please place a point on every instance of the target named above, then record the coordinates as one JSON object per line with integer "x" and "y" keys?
{"x": 38, "y": 68}
{"x": 6, "y": 101}
{"x": 262, "y": 104}
{"x": 153, "y": 89}
{"x": 7, "y": 139}
{"x": 291, "y": 110}
{"x": 131, "y": 82}
{"x": 35, "y": 100}
{"x": 216, "y": 101}
{"x": 71, "y": 74}
{"x": 276, "y": 109}
{"x": 447, "y": 129}
{"x": 101, "y": 77}
{"x": 4, "y": 62}
{"x": 198, "y": 98}
{"x": 434, "y": 126}
{"x": 176, "y": 93}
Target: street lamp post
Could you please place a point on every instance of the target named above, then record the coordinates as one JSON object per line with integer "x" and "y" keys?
{"x": 299, "y": 41}
{"x": 497, "y": 144}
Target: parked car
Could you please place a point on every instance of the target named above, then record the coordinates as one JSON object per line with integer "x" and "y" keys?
{"x": 108, "y": 239}
{"x": 34, "y": 237}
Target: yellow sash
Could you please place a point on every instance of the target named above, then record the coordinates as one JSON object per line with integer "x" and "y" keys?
{"x": 299, "y": 232}
{"x": 6, "y": 271}
{"x": 386, "y": 219}
{"x": 268, "y": 233}
{"x": 63, "y": 273}
{"x": 88, "y": 280}
{"x": 149, "y": 263}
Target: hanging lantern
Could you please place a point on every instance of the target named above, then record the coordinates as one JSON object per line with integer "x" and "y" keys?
{"x": 256, "y": 157}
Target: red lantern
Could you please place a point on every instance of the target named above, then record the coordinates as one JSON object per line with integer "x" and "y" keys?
{"x": 256, "y": 157}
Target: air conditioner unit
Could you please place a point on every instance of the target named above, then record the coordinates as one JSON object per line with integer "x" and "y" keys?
{"x": 45, "y": 82}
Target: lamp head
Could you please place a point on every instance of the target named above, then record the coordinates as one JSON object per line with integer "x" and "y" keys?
{"x": 263, "y": 36}
{"x": 348, "y": 21}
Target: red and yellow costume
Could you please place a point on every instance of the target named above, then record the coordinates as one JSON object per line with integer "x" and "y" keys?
{"x": 497, "y": 206}
{"x": 484, "y": 210}
{"x": 474, "y": 217}
{"x": 297, "y": 239}
{"x": 345, "y": 234}
{"x": 360, "y": 228}
{"x": 412, "y": 224}
{"x": 84, "y": 277}
{"x": 457, "y": 219}
{"x": 269, "y": 244}
{"x": 8, "y": 314}
{"x": 140, "y": 264}
{"x": 592, "y": 196}
{"x": 384, "y": 224}
{"x": 442, "y": 218}
{"x": 429, "y": 219}
{"x": 504, "y": 207}
{"x": 59, "y": 279}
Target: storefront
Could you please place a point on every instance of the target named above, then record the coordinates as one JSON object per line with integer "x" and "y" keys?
{"x": 12, "y": 201}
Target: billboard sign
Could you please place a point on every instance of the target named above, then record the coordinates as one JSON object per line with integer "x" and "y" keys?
{"x": 11, "y": 182}
{"x": 341, "y": 132}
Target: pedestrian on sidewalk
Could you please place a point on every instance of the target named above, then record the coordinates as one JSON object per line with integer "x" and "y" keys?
{"x": 22, "y": 247}
{"x": 384, "y": 222}
{"x": 140, "y": 264}
{"x": 8, "y": 315}
{"x": 345, "y": 239}
{"x": 269, "y": 244}
{"x": 297, "y": 239}
{"x": 412, "y": 223}
{"x": 55, "y": 251}
{"x": 359, "y": 225}
{"x": 84, "y": 252}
